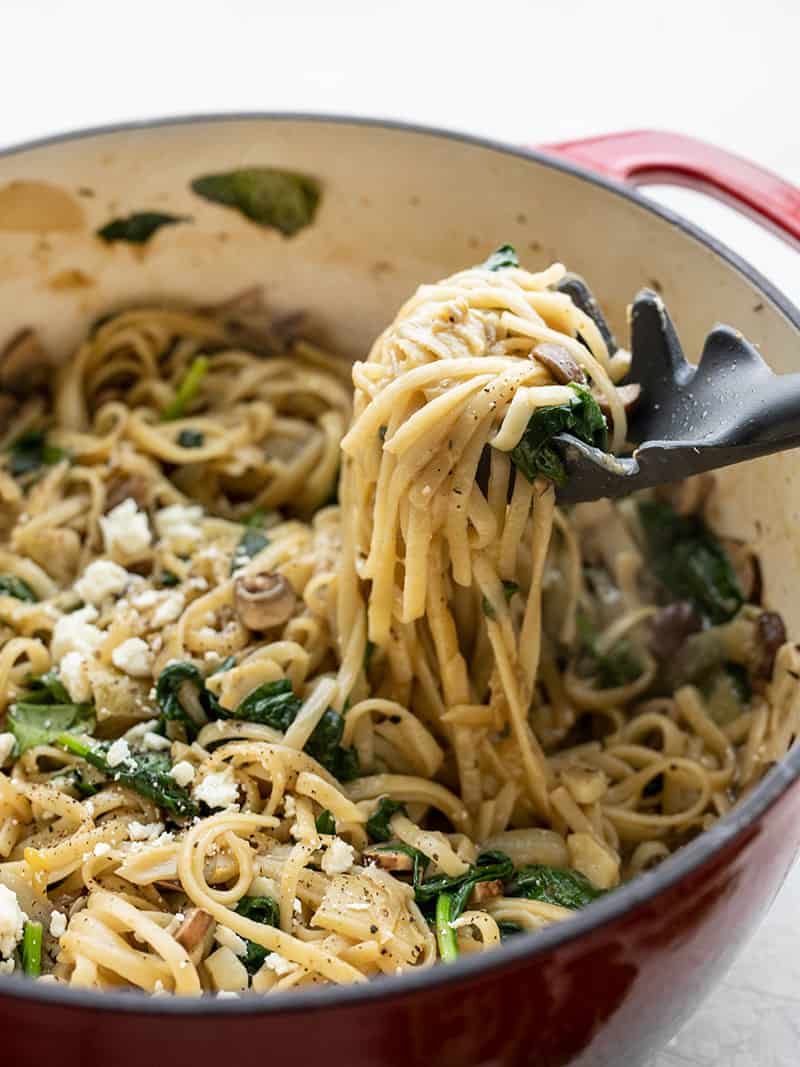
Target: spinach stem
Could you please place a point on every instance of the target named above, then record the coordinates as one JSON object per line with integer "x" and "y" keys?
{"x": 445, "y": 934}
{"x": 32, "y": 949}
{"x": 187, "y": 389}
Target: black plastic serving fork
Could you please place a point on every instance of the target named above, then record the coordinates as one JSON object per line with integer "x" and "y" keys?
{"x": 727, "y": 409}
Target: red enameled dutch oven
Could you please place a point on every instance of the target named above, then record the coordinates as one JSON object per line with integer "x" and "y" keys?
{"x": 401, "y": 205}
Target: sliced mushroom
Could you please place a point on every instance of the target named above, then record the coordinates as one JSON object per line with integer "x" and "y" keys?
{"x": 123, "y": 486}
{"x": 771, "y": 634}
{"x": 483, "y": 891}
{"x": 263, "y": 600}
{"x": 24, "y": 364}
{"x": 388, "y": 859}
{"x": 628, "y": 395}
{"x": 670, "y": 626}
{"x": 196, "y": 934}
{"x": 559, "y": 361}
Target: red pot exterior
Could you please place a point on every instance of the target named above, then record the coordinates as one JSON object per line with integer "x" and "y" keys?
{"x": 611, "y": 997}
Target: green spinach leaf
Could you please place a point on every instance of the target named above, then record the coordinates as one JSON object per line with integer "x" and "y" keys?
{"x": 504, "y": 256}
{"x": 261, "y": 910}
{"x": 279, "y": 199}
{"x": 139, "y": 227}
{"x": 534, "y": 454}
{"x": 31, "y": 451}
{"x": 689, "y": 561}
{"x": 11, "y": 585}
{"x": 147, "y": 773}
{"x": 172, "y": 698}
{"x": 191, "y": 439}
{"x": 551, "y": 885}
{"x": 378, "y": 823}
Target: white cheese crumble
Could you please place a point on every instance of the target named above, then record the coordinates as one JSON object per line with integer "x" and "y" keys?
{"x": 218, "y": 790}
{"x": 133, "y": 657}
{"x": 227, "y": 994}
{"x": 75, "y": 633}
{"x": 118, "y": 752}
{"x": 279, "y": 964}
{"x": 7, "y": 966}
{"x": 12, "y": 921}
{"x": 101, "y": 579}
{"x": 137, "y": 732}
{"x": 338, "y": 858}
{"x": 144, "y": 831}
{"x": 180, "y": 525}
{"x": 125, "y": 530}
{"x": 73, "y": 670}
{"x": 169, "y": 609}
{"x": 58, "y": 924}
{"x": 146, "y": 599}
{"x": 183, "y": 772}
{"x": 231, "y": 940}
{"x": 7, "y": 742}
{"x": 102, "y": 848}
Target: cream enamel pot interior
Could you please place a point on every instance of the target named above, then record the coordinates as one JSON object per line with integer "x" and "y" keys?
{"x": 399, "y": 206}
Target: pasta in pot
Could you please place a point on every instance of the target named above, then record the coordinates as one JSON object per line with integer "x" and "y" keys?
{"x": 257, "y": 736}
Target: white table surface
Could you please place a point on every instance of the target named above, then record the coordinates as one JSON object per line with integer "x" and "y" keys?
{"x": 524, "y": 72}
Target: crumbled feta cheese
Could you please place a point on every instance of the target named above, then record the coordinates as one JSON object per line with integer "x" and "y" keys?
{"x": 229, "y": 939}
{"x": 58, "y": 924}
{"x": 198, "y": 583}
{"x": 218, "y": 790}
{"x": 279, "y": 964}
{"x": 227, "y": 994}
{"x": 144, "y": 831}
{"x": 73, "y": 670}
{"x": 169, "y": 609}
{"x": 180, "y": 525}
{"x": 118, "y": 752}
{"x": 297, "y": 906}
{"x": 75, "y": 633}
{"x": 183, "y": 772}
{"x": 101, "y": 579}
{"x": 146, "y": 599}
{"x": 7, "y": 966}
{"x": 12, "y": 921}
{"x": 7, "y": 742}
{"x": 125, "y": 530}
{"x": 338, "y": 858}
{"x": 155, "y": 742}
{"x": 102, "y": 848}
{"x": 133, "y": 657}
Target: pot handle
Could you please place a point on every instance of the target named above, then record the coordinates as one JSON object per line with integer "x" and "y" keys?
{"x": 639, "y": 157}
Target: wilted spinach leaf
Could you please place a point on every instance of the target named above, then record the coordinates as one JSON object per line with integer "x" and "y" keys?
{"x": 263, "y": 910}
{"x": 11, "y": 585}
{"x": 689, "y": 561}
{"x": 139, "y": 227}
{"x": 147, "y": 773}
{"x": 31, "y": 451}
{"x": 504, "y": 256}
{"x": 610, "y": 669}
{"x": 190, "y": 439}
{"x": 582, "y": 417}
{"x": 551, "y": 885}
{"x": 378, "y": 823}
{"x": 170, "y": 690}
{"x": 277, "y": 198}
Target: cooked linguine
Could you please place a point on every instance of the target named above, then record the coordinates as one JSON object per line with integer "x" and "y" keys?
{"x": 258, "y": 736}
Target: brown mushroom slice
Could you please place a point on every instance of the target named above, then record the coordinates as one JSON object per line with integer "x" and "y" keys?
{"x": 264, "y": 600}
{"x": 388, "y": 859}
{"x": 196, "y": 934}
{"x": 483, "y": 891}
{"x": 24, "y": 363}
{"x": 560, "y": 362}
{"x": 670, "y": 627}
{"x": 771, "y": 634}
{"x": 628, "y": 395}
{"x": 123, "y": 486}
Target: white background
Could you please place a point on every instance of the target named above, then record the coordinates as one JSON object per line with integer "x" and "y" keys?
{"x": 522, "y": 72}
